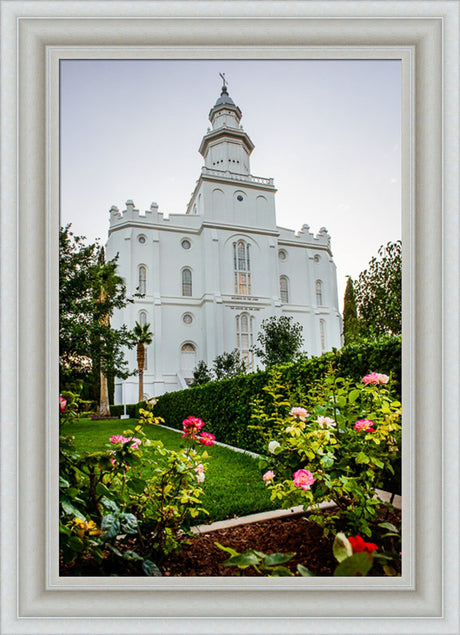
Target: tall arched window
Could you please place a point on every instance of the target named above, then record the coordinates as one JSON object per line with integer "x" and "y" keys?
{"x": 142, "y": 279}
{"x": 244, "y": 339}
{"x": 142, "y": 318}
{"x": 242, "y": 268}
{"x": 284, "y": 292}
{"x": 319, "y": 292}
{"x": 187, "y": 360}
{"x": 322, "y": 334}
{"x": 186, "y": 282}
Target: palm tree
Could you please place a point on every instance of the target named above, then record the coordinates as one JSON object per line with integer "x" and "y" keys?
{"x": 143, "y": 337}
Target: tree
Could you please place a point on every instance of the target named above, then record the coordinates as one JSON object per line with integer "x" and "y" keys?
{"x": 378, "y": 292}
{"x": 280, "y": 340}
{"x": 201, "y": 374}
{"x": 143, "y": 337}
{"x": 228, "y": 365}
{"x": 224, "y": 366}
{"x": 89, "y": 292}
{"x": 351, "y": 323}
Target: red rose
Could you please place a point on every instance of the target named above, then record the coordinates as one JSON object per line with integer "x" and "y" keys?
{"x": 358, "y": 545}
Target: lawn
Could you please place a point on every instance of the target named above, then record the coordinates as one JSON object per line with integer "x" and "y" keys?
{"x": 233, "y": 485}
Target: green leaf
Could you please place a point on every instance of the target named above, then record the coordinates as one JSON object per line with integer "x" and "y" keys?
{"x": 281, "y": 571}
{"x": 229, "y": 550}
{"x": 128, "y": 523}
{"x": 306, "y": 573}
{"x": 110, "y": 505}
{"x": 151, "y": 569}
{"x": 75, "y": 543}
{"x": 103, "y": 490}
{"x": 341, "y": 547}
{"x": 353, "y": 396}
{"x": 63, "y": 482}
{"x": 389, "y": 526}
{"x": 361, "y": 458}
{"x": 110, "y": 526}
{"x": 277, "y": 558}
{"x": 137, "y": 485}
{"x": 70, "y": 509}
{"x": 358, "y": 564}
{"x": 131, "y": 555}
{"x": 327, "y": 461}
{"x": 243, "y": 560}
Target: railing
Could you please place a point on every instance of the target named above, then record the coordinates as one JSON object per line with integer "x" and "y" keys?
{"x": 248, "y": 178}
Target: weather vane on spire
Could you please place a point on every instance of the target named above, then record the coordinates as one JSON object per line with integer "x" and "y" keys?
{"x": 223, "y": 79}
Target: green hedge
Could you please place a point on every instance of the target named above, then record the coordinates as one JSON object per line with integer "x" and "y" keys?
{"x": 225, "y": 405}
{"x": 131, "y": 410}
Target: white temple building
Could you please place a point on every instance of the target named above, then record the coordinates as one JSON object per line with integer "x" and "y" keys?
{"x": 209, "y": 277}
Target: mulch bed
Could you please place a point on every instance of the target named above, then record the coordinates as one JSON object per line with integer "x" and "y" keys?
{"x": 201, "y": 557}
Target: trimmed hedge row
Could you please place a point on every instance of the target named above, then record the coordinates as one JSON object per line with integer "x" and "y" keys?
{"x": 131, "y": 410}
{"x": 225, "y": 406}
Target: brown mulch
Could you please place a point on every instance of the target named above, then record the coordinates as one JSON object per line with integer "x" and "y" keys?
{"x": 201, "y": 557}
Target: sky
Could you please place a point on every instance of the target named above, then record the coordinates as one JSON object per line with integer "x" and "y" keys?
{"x": 327, "y": 131}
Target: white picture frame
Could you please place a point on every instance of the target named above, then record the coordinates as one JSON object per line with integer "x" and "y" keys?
{"x": 35, "y": 36}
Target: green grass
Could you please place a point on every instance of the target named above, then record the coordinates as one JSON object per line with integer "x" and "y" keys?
{"x": 233, "y": 485}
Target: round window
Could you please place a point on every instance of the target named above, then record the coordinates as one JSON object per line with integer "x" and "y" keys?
{"x": 317, "y": 258}
{"x": 282, "y": 255}
{"x": 186, "y": 244}
{"x": 141, "y": 239}
{"x": 187, "y": 318}
{"x": 239, "y": 197}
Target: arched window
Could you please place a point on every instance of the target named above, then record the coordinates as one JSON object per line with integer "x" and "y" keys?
{"x": 142, "y": 280}
{"x": 284, "y": 293}
{"x": 142, "y": 318}
{"x": 187, "y": 360}
{"x": 244, "y": 339}
{"x": 242, "y": 268}
{"x": 319, "y": 292}
{"x": 186, "y": 282}
{"x": 322, "y": 334}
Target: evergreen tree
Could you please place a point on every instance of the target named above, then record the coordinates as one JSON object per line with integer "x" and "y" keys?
{"x": 201, "y": 374}
{"x": 351, "y": 325}
{"x": 280, "y": 340}
{"x": 378, "y": 292}
{"x": 89, "y": 291}
{"x": 228, "y": 365}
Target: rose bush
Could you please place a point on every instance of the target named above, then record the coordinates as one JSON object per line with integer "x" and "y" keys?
{"x": 136, "y": 491}
{"x": 337, "y": 443}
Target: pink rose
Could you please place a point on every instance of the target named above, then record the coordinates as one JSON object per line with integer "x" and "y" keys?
{"x": 364, "y": 425}
{"x": 303, "y": 479}
{"x": 136, "y": 443}
{"x": 118, "y": 438}
{"x": 62, "y": 403}
{"x": 207, "y": 438}
{"x": 268, "y": 476}
{"x": 191, "y": 426}
{"x": 300, "y": 413}
{"x": 376, "y": 378}
{"x": 326, "y": 422}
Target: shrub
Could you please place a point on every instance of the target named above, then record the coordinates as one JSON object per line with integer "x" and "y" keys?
{"x": 335, "y": 444}
{"x": 226, "y": 405}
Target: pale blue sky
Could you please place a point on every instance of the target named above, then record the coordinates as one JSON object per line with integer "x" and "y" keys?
{"x": 327, "y": 131}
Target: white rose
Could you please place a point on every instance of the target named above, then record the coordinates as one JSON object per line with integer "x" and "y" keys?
{"x": 272, "y": 446}
{"x": 200, "y": 477}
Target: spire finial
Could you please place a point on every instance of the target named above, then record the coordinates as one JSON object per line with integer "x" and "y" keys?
{"x": 224, "y": 82}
